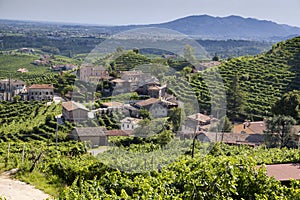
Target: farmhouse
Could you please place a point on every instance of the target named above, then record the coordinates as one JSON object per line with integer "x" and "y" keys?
{"x": 10, "y": 88}
{"x": 94, "y": 135}
{"x": 132, "y": 76}
{"x": 90, "y": 73}
{"x": 146, "y": 104}
{"x": 73, "y": 111}
{"x": 157, "y": 91}
{"x": 109, "y": 107}
{"x": 63, "y": 67}
{"x": 41, "y": 92}
{"x": 129, "y": 123}
{"x": 199, "y": 122}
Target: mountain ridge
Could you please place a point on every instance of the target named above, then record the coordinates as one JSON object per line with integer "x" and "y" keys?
{"x": 207, "y": 27}
{"x": 230, "y": 27}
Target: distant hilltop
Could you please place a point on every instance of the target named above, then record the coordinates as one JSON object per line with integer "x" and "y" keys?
{"x": 223, "y": 28}
{"x": 198, "y": 26}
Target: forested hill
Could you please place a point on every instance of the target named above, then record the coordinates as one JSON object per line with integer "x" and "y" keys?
{"x": 233, "y": 27}
{"x": 264, "y": 78}
{"x": 230, "y": 27}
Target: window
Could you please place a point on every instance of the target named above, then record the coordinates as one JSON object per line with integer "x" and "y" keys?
{"x": 127, "y": 125}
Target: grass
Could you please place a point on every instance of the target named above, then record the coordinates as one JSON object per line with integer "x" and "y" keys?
{"x": 51, "y": 185}
{"x": 12, "y": 63}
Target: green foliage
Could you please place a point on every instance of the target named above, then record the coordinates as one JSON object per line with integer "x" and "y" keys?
{"x": 279, "y": 131}
{"x": 129, "y": 60}
{"x": 288, "y": 105}
{"x": 175, "y": 117}
{"x": 189, "y": 54}
{"x": 235, "y": 99}
{"x": 227, "y": 172}
{"x": 210, "y": 177}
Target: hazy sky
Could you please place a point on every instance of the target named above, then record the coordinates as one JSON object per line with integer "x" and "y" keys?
{"x": 117, "y": 12}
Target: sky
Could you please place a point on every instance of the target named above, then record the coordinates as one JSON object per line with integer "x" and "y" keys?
{"x": 123, "y": 12}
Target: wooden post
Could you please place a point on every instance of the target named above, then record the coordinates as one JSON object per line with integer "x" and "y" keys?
{"x": 8, "y": 149}
{"x": 56, "y": 135}
{"x": 23, "y": 153}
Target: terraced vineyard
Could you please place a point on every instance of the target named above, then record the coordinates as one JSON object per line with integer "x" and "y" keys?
{"x": 29, "y": 120}
{"x": 263, "y": 78}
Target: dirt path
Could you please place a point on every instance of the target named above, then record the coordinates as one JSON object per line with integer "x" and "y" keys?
{"x": 16, "y": 190}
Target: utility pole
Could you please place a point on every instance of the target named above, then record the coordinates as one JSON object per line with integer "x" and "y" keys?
{"x": 56, "y": 133}
{"x": 195, "y": 137}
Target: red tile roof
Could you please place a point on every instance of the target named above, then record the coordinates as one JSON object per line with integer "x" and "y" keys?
{"x": 147, "y": 102}
{"x": 250, "y": 127}
{"x": 200, "y": 117}
{"x": 41, "y": 86}
{"x": 112, "y": 104}
{"x": 118, "y": 132}
{"x": 71, "y": 105}
{"x": 284, "y": 172}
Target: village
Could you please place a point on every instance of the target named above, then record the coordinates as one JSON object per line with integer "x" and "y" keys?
{"x": 157, "y": 102}
{"x": 149, "y": 101}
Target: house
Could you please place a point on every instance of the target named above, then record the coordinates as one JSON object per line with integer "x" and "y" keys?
{"x": 258, "y": 127}
{"x": 129, "y": 123}
{"x": 157, "y": 91}
{"x": 74, "y": 111}
{"x": 10, "y": 88}
{"x": 111, "y": 106}
{"x": 120, "y": 86}
{"x": 204, "y": 65}
{"x": 94, "y": 135}
{"x": 90, "y": 73}
{"x": 63, "y": 67}
{"x": 41, "y": 92}
{"x": 132, "y": 76}
{"x": 157, "y": 107}
{"x": 132, "y": 111}
{"x": 197, "y": 122}
{"x": 161, "y": 108}
{"x": 146, "y": 104}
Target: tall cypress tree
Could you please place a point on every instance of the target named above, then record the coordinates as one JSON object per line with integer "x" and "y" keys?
{"x": 235, "y": 99}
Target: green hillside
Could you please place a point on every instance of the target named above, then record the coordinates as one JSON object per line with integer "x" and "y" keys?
{"x": 263, "y": 79}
